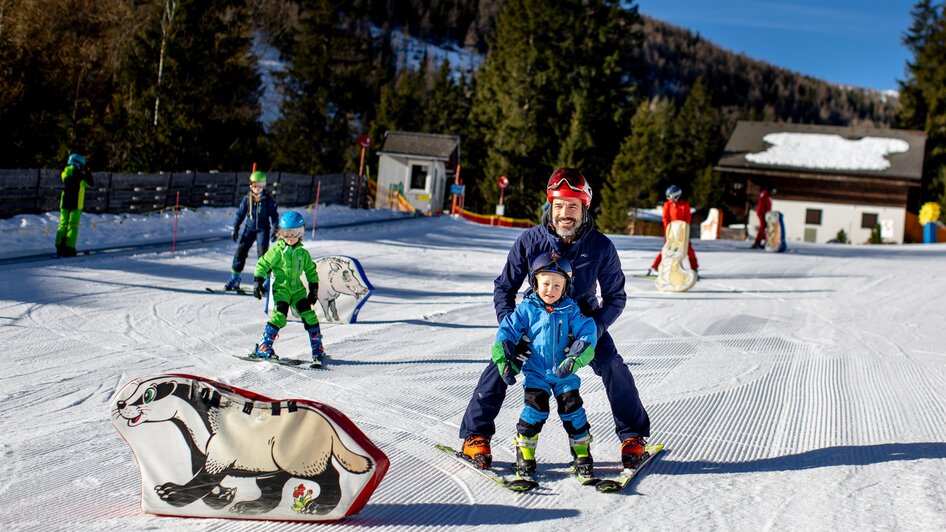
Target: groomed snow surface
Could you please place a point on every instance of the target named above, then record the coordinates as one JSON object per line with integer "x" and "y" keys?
{"x": 795, "y": 391}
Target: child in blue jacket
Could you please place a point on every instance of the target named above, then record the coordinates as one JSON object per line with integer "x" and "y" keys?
{"x": 562, "y": 342}
{"x": 258, "y": 208}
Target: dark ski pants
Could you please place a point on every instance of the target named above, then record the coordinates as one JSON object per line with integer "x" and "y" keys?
{"x": 247, "y": 238}
{"x": 630, "y": 418}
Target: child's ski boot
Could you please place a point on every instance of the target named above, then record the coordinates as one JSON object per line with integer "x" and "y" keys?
{"x": 583, "y": 463}
{"x": 525, "y": 454}
{"x": 264, "y": 349}
{"x": 234, "y": 283}
{"x": 315, "y": 342}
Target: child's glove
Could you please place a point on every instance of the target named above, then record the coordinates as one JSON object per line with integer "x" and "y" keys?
{"x": 504, "y": 356}
{"x": 313, "y": 294}
{"x": 235, "y": 234}
{"x": 579, "y": 354}
{"x": 258, "y": 289}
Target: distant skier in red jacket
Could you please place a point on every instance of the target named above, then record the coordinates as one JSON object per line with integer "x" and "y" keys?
{"x": 675, "y": 209}
{"x": 764, "y": 206}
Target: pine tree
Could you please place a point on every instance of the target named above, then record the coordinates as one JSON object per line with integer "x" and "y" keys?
{"x": 697, "y": 139}
{"x": 328, "y": 90}
{"x": 641, "y": 168}
{"x": 192, "y": 91}
{"x": 552, "y": 75}
{"x": 923, "y": 105}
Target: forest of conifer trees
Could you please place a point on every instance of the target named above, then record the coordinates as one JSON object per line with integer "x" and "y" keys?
{"x": 636, "y": 104}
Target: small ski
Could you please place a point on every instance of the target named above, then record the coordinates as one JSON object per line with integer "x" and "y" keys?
{"x": 519, "y": 483}
{"x": 238, "y": 291}
{"x": 292, "y": 362}
{"x": 586, "y": 480}
{"x": 624, "y": 478}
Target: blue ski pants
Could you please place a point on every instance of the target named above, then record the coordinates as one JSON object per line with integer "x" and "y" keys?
{"x": 630, "y": 418}
{"x": 247, "y": 238}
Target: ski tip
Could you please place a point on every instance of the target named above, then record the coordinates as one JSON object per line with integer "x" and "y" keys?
{"x": 522, "y": 485}
{"x": 608, "y": 486}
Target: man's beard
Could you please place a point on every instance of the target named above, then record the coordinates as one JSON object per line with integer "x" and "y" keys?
{"x": 566, "y": 232}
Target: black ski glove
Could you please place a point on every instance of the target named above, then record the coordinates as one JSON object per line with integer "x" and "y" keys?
{"x": 274, "y": 237}
{"x": 313, "y": 294}
{"x": 235, "y": 234}
{"x": 258, "y": 289}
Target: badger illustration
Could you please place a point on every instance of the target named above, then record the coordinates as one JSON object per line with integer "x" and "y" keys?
{"x": 230, "y": 435}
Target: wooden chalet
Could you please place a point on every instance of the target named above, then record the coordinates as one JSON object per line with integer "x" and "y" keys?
{"x": 828, "y": 178}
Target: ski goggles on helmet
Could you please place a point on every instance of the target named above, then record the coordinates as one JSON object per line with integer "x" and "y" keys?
{"x": 569, "y": 183}
{"x": 552, "y": 263}
{"x": 295, "y": 232}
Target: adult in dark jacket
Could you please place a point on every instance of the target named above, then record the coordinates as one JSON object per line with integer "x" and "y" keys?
{"x": 567, "y": 230}
{"x": 76, "y": 177}
{"x": 258, "y": 208}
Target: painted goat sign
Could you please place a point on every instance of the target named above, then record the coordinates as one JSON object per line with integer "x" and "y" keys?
{"x": 206, "y": 449}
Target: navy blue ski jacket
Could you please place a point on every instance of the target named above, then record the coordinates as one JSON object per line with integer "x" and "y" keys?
{"x": 259, "y": 214}
{"x": 595, "y": 262}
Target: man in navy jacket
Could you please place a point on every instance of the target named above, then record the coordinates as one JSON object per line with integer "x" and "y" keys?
{"x": 567, "y": 230}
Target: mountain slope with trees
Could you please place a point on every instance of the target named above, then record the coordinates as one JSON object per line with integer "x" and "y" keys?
{"x": 149, "y": 85}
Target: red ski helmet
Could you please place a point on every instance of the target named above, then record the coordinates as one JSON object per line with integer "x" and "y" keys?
{"x": 569, "y": 183}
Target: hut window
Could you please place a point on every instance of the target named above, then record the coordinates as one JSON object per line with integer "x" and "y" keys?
{"x": 813, "y": 216}
{"x": 419, "y": 176}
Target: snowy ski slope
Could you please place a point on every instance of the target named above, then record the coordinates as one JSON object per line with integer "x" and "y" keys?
{"x": 796, "y": 391}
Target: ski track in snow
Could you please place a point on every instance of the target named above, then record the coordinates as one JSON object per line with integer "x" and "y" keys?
{"x": 804, "y": 390}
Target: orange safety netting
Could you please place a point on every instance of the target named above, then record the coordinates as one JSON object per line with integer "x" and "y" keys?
{"x": 501, "y": 221}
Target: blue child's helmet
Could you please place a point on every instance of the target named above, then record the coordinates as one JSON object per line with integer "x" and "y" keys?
{"x": 673, "y": 192}
{"x": 291, "y": 220}
{"x": 554, "y": 263}
{"x": 76, "y": 160}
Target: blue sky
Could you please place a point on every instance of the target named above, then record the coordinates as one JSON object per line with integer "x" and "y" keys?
{"x": 851, "y": 42}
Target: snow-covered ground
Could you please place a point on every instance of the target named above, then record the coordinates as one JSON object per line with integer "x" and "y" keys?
{"x": 27, "y": 234}
{"x": 796, "y": 391}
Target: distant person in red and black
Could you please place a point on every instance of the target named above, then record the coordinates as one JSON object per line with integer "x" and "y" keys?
{"x": 675, "y": 209}
{"x": 764, "y": 206}
{"x": 76, "y": 177}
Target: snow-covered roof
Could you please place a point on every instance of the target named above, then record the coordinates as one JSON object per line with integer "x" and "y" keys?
{"x": 803, "y": 148}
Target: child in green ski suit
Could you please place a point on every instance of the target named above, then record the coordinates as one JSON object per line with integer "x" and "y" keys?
{"x": 288, "y": 260}
{"x": 75, "y": 179}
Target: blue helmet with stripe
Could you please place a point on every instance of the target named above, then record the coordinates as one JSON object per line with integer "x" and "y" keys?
{"x": 76, "y": 160}
{"x": 291, "y": 220}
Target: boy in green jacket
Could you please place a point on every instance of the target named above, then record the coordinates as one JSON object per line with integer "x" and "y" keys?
{"x": 288, "y": 260}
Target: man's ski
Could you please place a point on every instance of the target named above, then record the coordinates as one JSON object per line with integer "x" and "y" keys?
{"x": 238, "y": 291}
{"x": 624, "y": 478}
{"x": 515, "y": 483}
{"x": 293, "y": 362}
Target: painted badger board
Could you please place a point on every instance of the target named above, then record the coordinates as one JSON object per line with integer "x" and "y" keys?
{"x": 206, "y": 449}
{"x": 343, "y": 289}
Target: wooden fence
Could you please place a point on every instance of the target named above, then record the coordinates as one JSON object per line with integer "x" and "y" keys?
{"x": 24, "y": 191}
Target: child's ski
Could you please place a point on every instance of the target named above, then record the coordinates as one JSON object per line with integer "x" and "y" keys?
{"x": 624, "y": 478}
{"x": 515, "y": 483}
{"x": 292, "y": 362}
{"x": 238, "y": 291}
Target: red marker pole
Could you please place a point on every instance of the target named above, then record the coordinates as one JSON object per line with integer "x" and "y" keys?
{"x": 177, "y": 202}
{"x": 315, "y": 209}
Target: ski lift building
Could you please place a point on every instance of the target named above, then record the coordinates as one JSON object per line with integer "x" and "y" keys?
{"x": 418, "y": 166}
{"x": 829, "y": 178}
